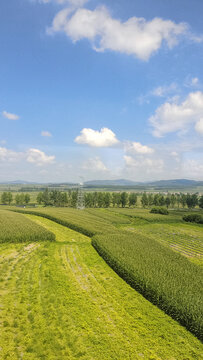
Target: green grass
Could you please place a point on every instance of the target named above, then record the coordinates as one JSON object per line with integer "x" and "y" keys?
{"x": 16, "y": 228}
{"x": 60, "y": 300}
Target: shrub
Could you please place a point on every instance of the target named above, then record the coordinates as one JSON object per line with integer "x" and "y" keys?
{"x": 159, "y": 210}
{"x": 196, "y": 218}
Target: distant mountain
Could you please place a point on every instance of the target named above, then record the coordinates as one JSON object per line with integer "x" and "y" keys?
{"x": 119, "y": 182}
{"x": 18, "y": 182}
{"x": 175, "y": 182}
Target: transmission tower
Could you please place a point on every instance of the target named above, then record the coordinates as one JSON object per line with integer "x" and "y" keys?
{"x": 81, "y": 197}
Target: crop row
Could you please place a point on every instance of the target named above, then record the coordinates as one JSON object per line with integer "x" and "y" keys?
{"x": 17, "y": 228}
{"x": 164, "y": 277}
{"x": 84, "y": 221}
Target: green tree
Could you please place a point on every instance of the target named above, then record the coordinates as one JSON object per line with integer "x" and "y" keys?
{"x": 168, "y": 201}
{"x": 150, "y": 199}
{"x": 20, "y": 199}
{"x": 144, "y": 200}
{"x": 27, "y": 198}
{"x": 132, "y": 199}
{"x": 114, "y": 199}
{"x": 100, "y": 200}
{"x": 40, "y": 198}
{"x": 118, "y": 199}
{"x": 107, "y": 199}
{"x": 124, "y": 199}
{"x": 183, "y": 200}
{"x": 4, "y": 198}
{"x": 201, "y": 202}
{"x": 191, "y": 200}
{"x": 173, "y": 200}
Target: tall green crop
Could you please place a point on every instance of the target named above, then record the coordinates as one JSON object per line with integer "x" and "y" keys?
{"x": 17, "y": 228}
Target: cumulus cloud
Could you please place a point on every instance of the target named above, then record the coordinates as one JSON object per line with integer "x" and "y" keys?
{"x": 103, "y": 138}
{"x": 39, "y": 158}
{"x": 136, "y": 36}
{"x": 73, "y": 3}
{"x": 94, "y": 164}
{"x": 46, "y": 134}
{"x": 193, "y": 168}
{"x": 144, "y": 164}
{"x": 10, "y": 116}
{"x": 9, "y": 155}
{"x": 173, "y": 117}
{"x": 199, "y": 126}
{"x": 137, "y": 148}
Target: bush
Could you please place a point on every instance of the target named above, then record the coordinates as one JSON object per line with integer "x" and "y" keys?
{"x": 159, "y": 210}
{"x": 196, "y": 218}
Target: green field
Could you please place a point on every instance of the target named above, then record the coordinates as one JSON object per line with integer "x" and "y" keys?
{"x": 60, "y": 300}
{"x": 14, "y": 227}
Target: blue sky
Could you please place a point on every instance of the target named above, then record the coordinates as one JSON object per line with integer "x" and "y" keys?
{"x": 101, "y": 89}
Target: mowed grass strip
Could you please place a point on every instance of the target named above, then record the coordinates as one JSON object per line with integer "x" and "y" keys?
{"x": 16, "y": 228}
{"x": 62, "y": 301}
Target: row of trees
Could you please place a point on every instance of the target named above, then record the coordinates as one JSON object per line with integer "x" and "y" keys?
{"x": 106, "y": 199}
{"x": 173, "y": 200}
{"x": 20, "y": 199}
{"x": 119, "y": 199}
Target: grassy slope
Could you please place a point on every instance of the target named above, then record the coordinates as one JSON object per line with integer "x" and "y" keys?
{"x": 60, "y": 300}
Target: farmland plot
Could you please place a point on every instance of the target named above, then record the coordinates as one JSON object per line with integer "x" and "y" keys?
{"x": 15, "y": 227}
{"x": 60, "y": 300}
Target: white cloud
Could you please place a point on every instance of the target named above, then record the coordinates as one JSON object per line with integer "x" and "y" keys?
{"x": 136, "y": 36}
{"x": 137, "y": 148}
{"x": 103, "y": 138}
{"x": 199, "y": 126}
{"x": 145, "y": 165}
{"x": 172, "y": 117}
{"x": 46, "y": 134}
{"x": 162, "y": 91}
{"x": 38, "y": 157}
{"x": 9, "y": 155}
{"x": 10, "y": 116}
{"x": 73, "y": 3}
{"x": 193, "y": 168}
{"x": 94, "y": 164}
{"x": 194, "y": 81}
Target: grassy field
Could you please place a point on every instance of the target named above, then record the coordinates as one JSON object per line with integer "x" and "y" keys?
{"x": 60, "y": 300}
{"x": 14, "y": 227}
{"x": 158, "y": 272}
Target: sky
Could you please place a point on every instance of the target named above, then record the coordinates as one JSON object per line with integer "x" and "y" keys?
{"x": 101, "y": 90}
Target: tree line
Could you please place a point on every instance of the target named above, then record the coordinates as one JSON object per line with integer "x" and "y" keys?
{"x": 20, "y": 199}
{"x": 100, "y": 199}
